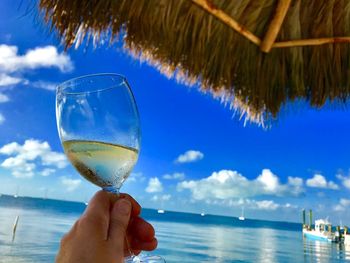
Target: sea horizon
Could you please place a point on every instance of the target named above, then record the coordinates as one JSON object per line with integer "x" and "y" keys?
{"x": 154, "y": 209}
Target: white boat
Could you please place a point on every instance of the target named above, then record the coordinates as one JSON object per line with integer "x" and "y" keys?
{"x": 242, "y": 218}
{"x": 16, "y": 194}
{"x": 322, "y": 231}
{"x": 346, "y": 238}
{"x": 202, "y": 214}
{"x": 161, "y": 211}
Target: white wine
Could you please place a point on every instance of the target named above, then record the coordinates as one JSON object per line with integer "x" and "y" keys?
{"x": 104, "y": 164}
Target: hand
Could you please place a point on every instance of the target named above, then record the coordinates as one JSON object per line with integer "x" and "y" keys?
{"x": 99, "y": 234}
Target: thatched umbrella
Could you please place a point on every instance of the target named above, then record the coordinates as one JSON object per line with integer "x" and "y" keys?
{"x": 257, "y": 55}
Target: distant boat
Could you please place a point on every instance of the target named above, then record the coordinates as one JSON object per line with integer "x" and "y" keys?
{"x": 16, "y": 194}
{"x": 242, "y": 218}
{"x": 202, "y": 214}
{"x": 161, "y": 211}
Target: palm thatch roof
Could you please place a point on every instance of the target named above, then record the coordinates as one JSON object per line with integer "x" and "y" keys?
{"x": 257, "y": 55}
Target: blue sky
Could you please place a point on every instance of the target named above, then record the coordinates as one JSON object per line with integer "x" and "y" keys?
{"x": 196, "y": 156}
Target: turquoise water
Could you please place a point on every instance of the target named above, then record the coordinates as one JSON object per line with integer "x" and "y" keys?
{"x": 182, "y": 237}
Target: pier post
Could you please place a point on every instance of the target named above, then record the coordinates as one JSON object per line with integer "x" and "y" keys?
{"x": 310, "y": 217}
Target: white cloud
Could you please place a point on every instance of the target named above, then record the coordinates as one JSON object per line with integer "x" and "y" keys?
{"x": 251, "y": 204}
{"x": 345, "y": 180}
{"x": 174, "y": 176}
{"x": 70, "y": 184}
{"x": 4, "y": 98}
{"x": 2, "y": 119}
{"x": 7, "y": 80}
{"x": 343, "y": 205}
{"x": 266, "y": 205}
{"x": 24, "y": 158}
{"x": 136, "y": 177}
{"x": 319, "y": 181}
{"x": 44, "y": 85}
{"x": 10, "y": 148}
{"x": 39, "y": 57}
{"x": 189, "y": 156}
{"x": 269, "y": 181}
{"x": 227, "y": 184}
{"x": 345, "y": 202}
{"x": 157, "y": 198}
{"x": 154, "y": 185}
{"x": 339, "y": 208}
{"x": 54, "y": 158}
{"x": 288, "y": 205}
{"x": 332, "y": 185}
{"x": 295, "y": 181}
{"x": 13, "y": 64}
{"x": 47, "y": 171}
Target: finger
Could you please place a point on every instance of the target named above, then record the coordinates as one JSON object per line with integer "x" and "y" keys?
{"x": 95, "y": 220}
{"x": 98, "y": 205}
{"x": 136, "y": 208}
{"x": 140, "y": 229}
{"x": 118, "y": 224}
{"x": 146, "y": 246}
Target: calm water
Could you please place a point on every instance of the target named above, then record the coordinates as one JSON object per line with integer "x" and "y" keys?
{"x": 182, "y": 237}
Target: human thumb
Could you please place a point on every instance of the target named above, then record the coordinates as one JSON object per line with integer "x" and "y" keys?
{"x": 118, "y": 224}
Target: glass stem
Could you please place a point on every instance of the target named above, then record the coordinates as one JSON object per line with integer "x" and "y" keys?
{"x": 112, "y": 189}
{"x": 115, "y": 190}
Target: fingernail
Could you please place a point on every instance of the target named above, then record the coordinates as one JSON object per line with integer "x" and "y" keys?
{"x": 123, "y": 206}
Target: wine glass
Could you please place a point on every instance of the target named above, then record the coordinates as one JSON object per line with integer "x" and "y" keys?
{"x": 99, "y": 127}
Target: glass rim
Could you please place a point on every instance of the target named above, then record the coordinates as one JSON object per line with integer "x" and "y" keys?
{"x": 61, "y": 87}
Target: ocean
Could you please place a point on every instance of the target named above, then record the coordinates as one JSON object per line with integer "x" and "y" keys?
{"x": 182, "y": 237}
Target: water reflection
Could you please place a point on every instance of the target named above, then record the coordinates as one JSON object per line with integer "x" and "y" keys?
{"x": 37, "y": 235}
{"x": 191, "y": 243}
{"x": 325, "y": 252}
{"x": 180, "y": 242}
{"x": 267, "y": 249}
{"x": 39, "y": 232}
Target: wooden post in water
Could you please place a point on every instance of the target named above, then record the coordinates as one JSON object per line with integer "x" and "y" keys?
{"x": 310, "y": 217}
{"x": 14, "y": 229}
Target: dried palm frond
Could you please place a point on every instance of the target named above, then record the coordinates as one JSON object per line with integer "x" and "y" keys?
{"x": 191, "y": 43}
